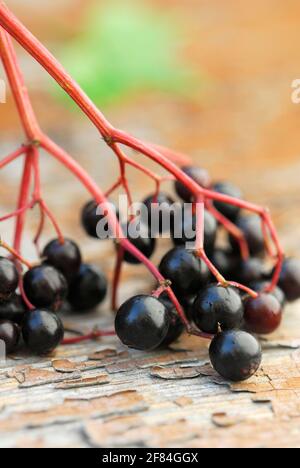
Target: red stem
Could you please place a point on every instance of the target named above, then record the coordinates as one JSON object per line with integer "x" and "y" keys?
{"x": 23, "y": 201}
{"x": 11, "y": 157}
{"x": 19, "y": 91}
{"x": 17, "y": 212}
{"x": 96, "y": 193}
{"x": 117, "y": 277}
{"x": 91, "y": 336}
{"x": 111, "y": 136}
{"x": 231, "y": 228}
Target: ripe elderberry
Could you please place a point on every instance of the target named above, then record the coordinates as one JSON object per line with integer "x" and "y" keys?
{"x": 90, "y": 219}
{"x": 9, "y": 278}
{"x": 289, "y": 280}
{"x": 249, "y": 271}
{"x": 200, "y": 176}
{"x": 216, "y": 305}
{"x": 186, "y": 230}
{"x": 10, "y": 334}
{"x": 65, "y": 257}
{"x": 138, "y": 234}
{"x": 185, "y": 270}
{"x": 226, "y": 262}
{"x": 229, "y": 211}
{"x": 235, "y": 355}
{"x": 45, "y": 287}
{"x": 260, "y": 286}
{"x": 13, "y": 310}
{"x": 88, "y": 289}
{"x": 176, "y": 326}
{"x": 142, "y": 323}
{"x": 160, "y": 213}
{"x": 252, "y": 228}
{"x": 42, "y": 331}
{"x": 263, "y": 315}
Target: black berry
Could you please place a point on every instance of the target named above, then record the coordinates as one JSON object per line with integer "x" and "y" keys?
{"x": 45, "y": 287}
{"x": 187, "y": 273}
{"x": 160, "y": 213}
{"x": 263, "y": 315}
{"x": 252, "y": 228}
{"x": 176, "y": 326}
{"x": 200, "y": 176}
{"x": 88, "y": 289}
{"x": 185, "y": 231}
{"x": 142, "y": 323}
{"x": 260, "y": 286}
{"x": 13, "y": 310}
{"x": 64, "y": 257}
{"x": 10, "y": 334}
{"x": 249, "y": 271}
{"x": 216, "y": 305}
{"x": 90, "y": 219}
{"x": 289, "y": 280}
{"x": 42, "y": 331}
{"x": 138, "y": 234}
{"x": 226, "y": 262}
{"x": 235, "y": 355}
{"x": 9, "y": 278}
{"x": 231, "y": 212}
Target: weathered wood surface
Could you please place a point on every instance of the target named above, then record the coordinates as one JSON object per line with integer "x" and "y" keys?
{"x": 245, "y": 129}
{"x": 101, "y": 395}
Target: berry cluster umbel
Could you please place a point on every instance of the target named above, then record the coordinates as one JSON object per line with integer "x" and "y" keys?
{"x": 182, "y": 274}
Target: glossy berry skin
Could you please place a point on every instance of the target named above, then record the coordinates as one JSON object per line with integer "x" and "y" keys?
{"x": 159, "y": 208}
{"x": 142, "y": 323}
{"x": 9, "y": 278}
{"x": 142, "y": 240}
{"x": 187, "y": 273}
{"x": 186, "y": 231}
{"x": 252, "y": 228}
{"x": 13, "y": 310}
{"x": 45, "y": 287}
{"x": 226, "y": 262}
{"x": 88, "y": 289}
{"x": 229, "y": 211}
{"x": 235, "y": 355}
{"x": 10, "y": 334}
{"x": 260, "y": 286}
{"x": 249, "y": 271}
{"x": 90, "y": 218}
{"x": 289, "y": 280}
{"x": 200, "y": 176}
{"x": 176, "y": 326}
{"x": 64, "y": 257}
{"x": 42, "y": 331}
{"x": 263, "y": 315}
{"x": 216, "y": 305}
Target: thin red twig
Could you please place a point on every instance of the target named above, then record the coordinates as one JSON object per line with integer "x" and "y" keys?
{"x": 117, "y": 277}
{"x": 12, "y": 157}
{"x": 113, "y": 137}
{"x": 90, "y": 336}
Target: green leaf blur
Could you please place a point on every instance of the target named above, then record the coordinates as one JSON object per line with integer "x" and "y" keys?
{"x": 126, "y": 48}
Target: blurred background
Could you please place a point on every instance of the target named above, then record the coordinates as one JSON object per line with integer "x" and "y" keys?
{"x": 206, "y": 77}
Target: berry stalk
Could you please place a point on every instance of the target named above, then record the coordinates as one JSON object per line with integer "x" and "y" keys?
{"x": 113, "y": 136}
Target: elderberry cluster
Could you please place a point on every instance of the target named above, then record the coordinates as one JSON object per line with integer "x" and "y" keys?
{"x": 148, "y": 322}
{"x": 62, "y": 278}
